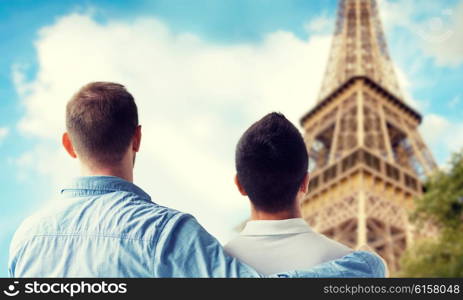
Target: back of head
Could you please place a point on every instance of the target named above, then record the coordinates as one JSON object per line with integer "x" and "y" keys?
{"x": 101, "y": 119}
{"x": 271, "y": 163}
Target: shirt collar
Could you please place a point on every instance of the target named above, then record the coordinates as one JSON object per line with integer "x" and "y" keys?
{"x": 97, "y": 185}
{"x": 276, "y": 227}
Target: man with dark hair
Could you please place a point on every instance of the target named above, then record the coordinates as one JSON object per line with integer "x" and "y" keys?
{"x": 271, "y": 164}
{"x": 106, "y": 226}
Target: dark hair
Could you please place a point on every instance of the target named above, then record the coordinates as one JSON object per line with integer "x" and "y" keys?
{"x": 271, "y": 163}
{"x": 101, "y": 119}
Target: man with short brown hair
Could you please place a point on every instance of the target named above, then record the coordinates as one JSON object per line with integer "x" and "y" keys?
{"x": 99, "y": 127}
{"x": 101, "y": 123}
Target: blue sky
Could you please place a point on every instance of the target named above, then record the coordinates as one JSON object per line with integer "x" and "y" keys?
{"x": 201, "y": 72}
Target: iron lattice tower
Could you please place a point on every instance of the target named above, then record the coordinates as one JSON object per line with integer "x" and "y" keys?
{"x": 367, "y": 157}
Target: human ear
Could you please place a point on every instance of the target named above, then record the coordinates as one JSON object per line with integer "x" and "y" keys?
{"x": 67, "y": 144}
{"x": 304, "y": 188}
{"x": 137, "y": 139}
{"x": 240, "y": 188}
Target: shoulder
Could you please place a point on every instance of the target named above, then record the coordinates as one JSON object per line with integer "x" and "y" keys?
{"x": 180, "y": 221}
{"x": 362, "y": 264}
{"x": 235, "y": 245}
{"x": 320, "y": 247}
{"x": 183, "y": 229}
{"x": 331, "y": 247}
{"x": 33, "y": 225}
{"x": 40, "y": 221}
{"x": 147, "y": 220}
{"x": 231, "y": 246}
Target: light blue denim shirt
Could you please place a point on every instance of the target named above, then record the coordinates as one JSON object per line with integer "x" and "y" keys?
{"x": 108, "y": 227}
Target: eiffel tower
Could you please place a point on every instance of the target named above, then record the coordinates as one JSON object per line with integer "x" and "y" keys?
{"x": 367, "y": 158}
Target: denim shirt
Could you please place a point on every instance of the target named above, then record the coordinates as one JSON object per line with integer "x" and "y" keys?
{"x": 108, "y": 227}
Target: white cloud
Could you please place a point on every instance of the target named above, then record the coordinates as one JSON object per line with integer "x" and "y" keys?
{"x": 4, "y": 131}
{"x": 195, "y": 98}
{"x": 322, "y": 24}
{"x": 396, "y": 13}
{"x": 441, "y": 133}
{"x": 434, "y": 126}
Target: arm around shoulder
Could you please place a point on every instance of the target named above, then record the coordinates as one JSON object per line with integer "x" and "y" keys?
{"x": 186, "y": 249}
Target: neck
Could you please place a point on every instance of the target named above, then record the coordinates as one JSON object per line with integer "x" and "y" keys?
{"x": 291, "y": 213}
{"x": 109, "y": 172}
{"x": 122, "y": 170}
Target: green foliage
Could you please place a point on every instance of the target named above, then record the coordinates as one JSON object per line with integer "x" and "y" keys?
{"x": 434, "y": 258}
{"x": 442, "y": 206}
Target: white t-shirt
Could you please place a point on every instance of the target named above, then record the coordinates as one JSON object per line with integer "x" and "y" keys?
{"x": 283, "y": 245}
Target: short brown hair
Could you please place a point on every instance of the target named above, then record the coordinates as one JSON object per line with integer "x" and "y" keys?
{"x": 101, "y": 119}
